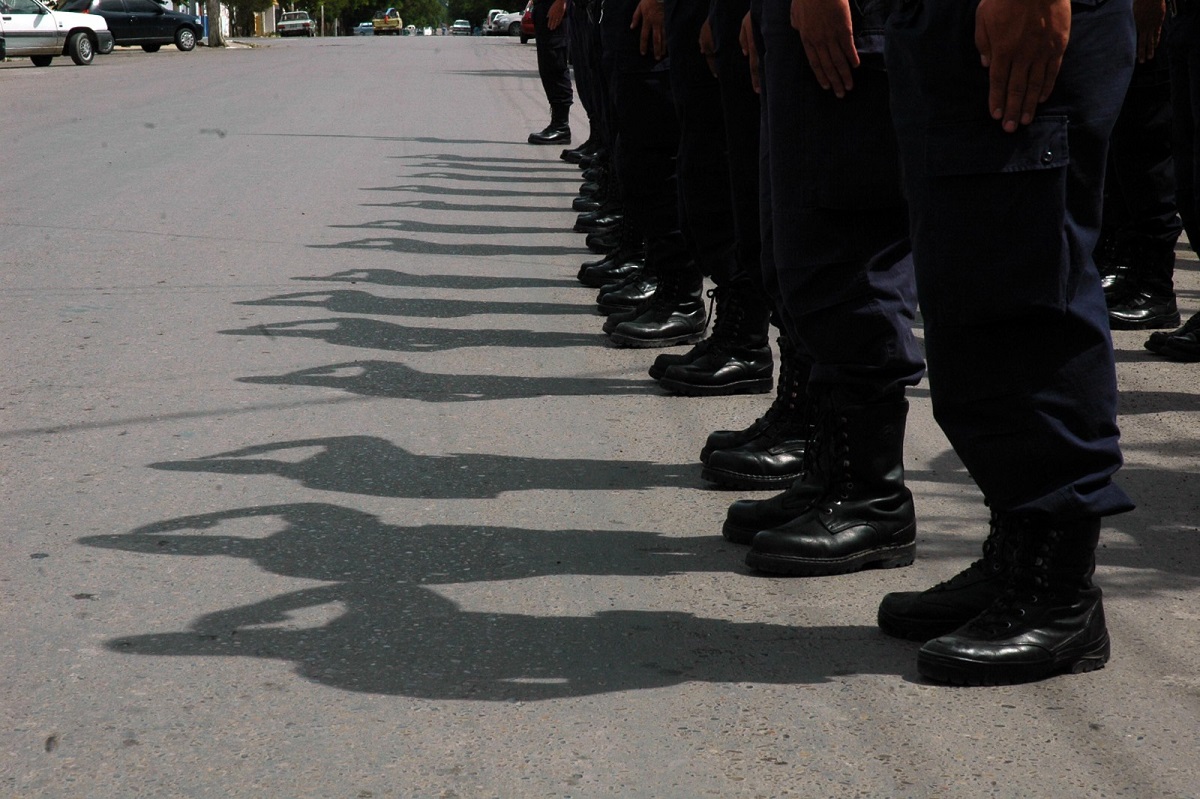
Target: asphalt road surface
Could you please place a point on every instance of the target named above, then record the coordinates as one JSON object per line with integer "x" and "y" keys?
{"x": 319, "y": 481}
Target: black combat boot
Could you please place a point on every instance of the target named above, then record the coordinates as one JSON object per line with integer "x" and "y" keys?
{"x": 674, "y": 315}
{"x": 628, "y": 258}
{"x": 1158, "y": 340}
{"x": 738, "y": 359}
{"x": 1144, "y": 298}
{"x": 746, "y": 518}
{"x": 577, "y": 154}
{"x": 784, "y": 388}
{"x": 1183, "y": 345}
{"x": 771, "y": 452}
{"x": 864, "y": 517}
{"x": 558, "y": 131}
{"x": 1049, "y": 618}
{"x": 604, "y": 242}
{"x": 603, "y": 219}
{"x": 1111, "y": 263}
{"x": 923, "y": 615}
{"x": 631, "y": 294}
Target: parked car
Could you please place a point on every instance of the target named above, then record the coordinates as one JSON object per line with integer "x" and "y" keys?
{"x": 293, "y": 23}
{"x": 461, "y": 27}
{"x": 508, "y": 23}
{"x": 487, "y": 21}
{"x": 410, "y": 30}
{"x": 364, "y": 28}
{"x": 142, "y": 22}
{"x": 31, "y": 30}
{"x": 527, "y": 24}
{"x": 387, "y": 23}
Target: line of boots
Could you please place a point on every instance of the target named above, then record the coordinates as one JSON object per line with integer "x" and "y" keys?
{"x": 1026, "y": 610}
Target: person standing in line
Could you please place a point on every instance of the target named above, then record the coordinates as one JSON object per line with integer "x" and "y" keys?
{"x": 1003, "y": 131}
{"x": 551, "y": 35}
{"x": 835, "y": 246}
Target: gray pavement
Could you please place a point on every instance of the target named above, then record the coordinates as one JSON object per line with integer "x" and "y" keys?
{"x": 319, "y": 481}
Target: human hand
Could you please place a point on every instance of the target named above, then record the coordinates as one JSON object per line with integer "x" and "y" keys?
{"x": 1148, "y": 16}
{"x": 554, "y": 17}
{"x": 828, "y": 38}
{"x": 708, "y": 47}
{"x": 650, "y": 16}
{"x": 750, "y": 50}
{"x": 1021, "y": 44}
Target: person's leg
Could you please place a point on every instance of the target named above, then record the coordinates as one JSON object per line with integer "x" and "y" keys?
{"x": 1021, "y": 368}
{"x": 736, "y": 358}
{"x": 648, "y": 137}
{"x": 1140, "y": 216}
{"x": 841, "y": 260}
{"x": 555, "y": 73}
{"x": 1183, "y": 56}
{"x": 740, "y": 115}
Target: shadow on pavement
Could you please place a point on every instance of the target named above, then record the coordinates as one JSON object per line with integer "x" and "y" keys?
{"x": 373, "y": 466}
{"x": 376, "y": 335}
{"x": 432, "y": 248}
{"x": 394, "y": 277}
{"x": 393, "y": 635}
{"x": 413, "y": 226}
{"x": 398, "y": 381}
{"x": 362, "y": 302}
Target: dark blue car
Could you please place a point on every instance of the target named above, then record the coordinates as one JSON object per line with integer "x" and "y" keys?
{"x": 143, "y": 22}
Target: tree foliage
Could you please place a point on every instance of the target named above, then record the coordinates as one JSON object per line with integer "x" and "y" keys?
{"x": 474, "y": 11}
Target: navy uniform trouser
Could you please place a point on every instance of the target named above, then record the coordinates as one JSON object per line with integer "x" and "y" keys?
{"x": 740, "y": 117}
{"x": 1182, "y": 45}
{"x": 585, "y": 57}
{"x": 835, "y": 241}
{"x": 552, "y": 61}
{"x": 647, "y": 139}
{"x": 1021, "y": 370}
{"x": 702, "y": 167}
{"x": 1139, "y": 190}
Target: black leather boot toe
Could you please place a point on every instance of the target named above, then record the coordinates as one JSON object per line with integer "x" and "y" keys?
{"x": 865, "y": 515}
{"x": 942, "y": 609}
{"x": 1048, "y": 620}
{"x": 674, "y": 315}
{"x": 738, "y": 359}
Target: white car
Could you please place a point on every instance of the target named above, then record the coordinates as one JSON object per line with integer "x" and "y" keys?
{"x": 508, "y": 23}
{"x": 31, "y": 30}
{"x": 364, "y": 29}
{"x": 294, "y": 23}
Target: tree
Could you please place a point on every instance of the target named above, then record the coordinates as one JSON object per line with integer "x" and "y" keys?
{"x": 474, "y": 11}
{"x": 215, "y": 39}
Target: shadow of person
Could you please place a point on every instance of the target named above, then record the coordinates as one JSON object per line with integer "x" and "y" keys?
{"x": 379, "y": 335}
{"x": 417, "y": 226}
{"x": 384, "y": 630}
{"x": 376, "y": 467}
{"x": 362, "y": 302}
{"x": 398, "y": 381}
{"x": 417, "y": 246}
{"x": 394, "y": 277}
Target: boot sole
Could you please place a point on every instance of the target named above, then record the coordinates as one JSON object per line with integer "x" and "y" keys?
{"x": 651, "y": 343}
{"x": 757, "y": 386}
{"x": 747, "y": 482}
{"x": 1158, "y": 323}
{"x": 960, "y": 671}
{"x": 881, "y": 558}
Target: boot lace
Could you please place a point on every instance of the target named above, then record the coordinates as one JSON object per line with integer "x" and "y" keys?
{"x": 1027, "y": 586}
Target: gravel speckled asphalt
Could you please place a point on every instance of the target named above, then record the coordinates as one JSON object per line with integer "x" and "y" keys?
{"x": 319, "y": 481}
